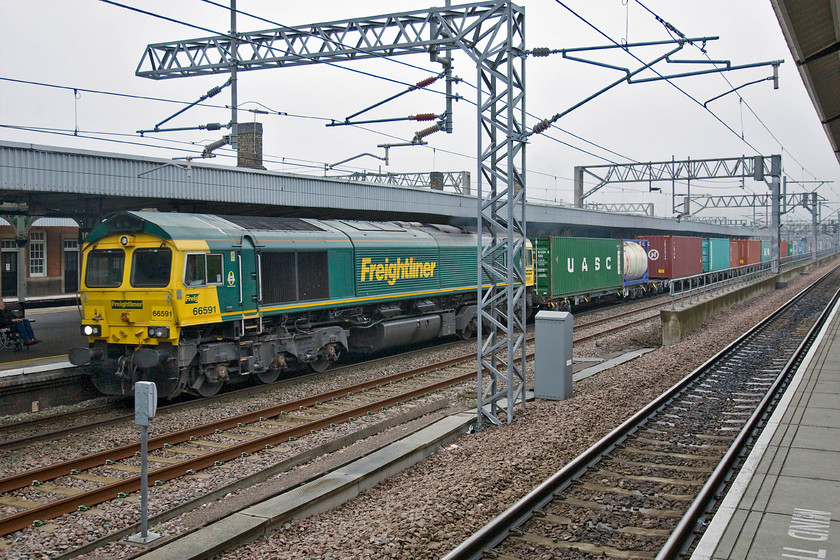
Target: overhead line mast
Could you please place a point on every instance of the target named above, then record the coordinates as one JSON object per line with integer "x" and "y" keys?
{"x": 492, "y": 34}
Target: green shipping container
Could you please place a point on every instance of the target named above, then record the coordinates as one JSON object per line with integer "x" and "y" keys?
{"x": 715, "y": 254}
{"x": 570, "y": 266}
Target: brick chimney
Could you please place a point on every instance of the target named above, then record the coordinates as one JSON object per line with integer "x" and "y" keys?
{"x": 249, "y": 152}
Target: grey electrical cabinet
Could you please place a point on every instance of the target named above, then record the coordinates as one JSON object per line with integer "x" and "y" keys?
{"x": 553, "y": 361}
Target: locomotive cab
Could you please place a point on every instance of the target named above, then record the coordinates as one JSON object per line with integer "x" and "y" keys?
{"x": 127, "y": 312}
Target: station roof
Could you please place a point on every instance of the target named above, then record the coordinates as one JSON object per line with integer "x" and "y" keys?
{"x": 812, "y": 31}
{"x": 88, "y": 185}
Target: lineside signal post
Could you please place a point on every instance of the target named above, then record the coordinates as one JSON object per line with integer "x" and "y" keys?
{"x": 145, "y": 407}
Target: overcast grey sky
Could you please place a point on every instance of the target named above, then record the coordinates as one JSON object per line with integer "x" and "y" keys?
{"x": 95, "y": 47}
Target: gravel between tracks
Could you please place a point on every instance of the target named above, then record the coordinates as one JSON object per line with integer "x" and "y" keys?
{"x": 428, "y": 509}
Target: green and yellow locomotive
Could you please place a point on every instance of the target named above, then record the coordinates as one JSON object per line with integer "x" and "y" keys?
{"x": 192, "y": 301}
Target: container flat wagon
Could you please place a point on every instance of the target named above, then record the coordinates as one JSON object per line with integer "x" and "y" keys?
{"x": 569, "y": 270}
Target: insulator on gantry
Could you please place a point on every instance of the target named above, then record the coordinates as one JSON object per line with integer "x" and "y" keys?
{"x": 419, "y": 135}
{"x": 427, "y": 82}
{"x": 541, "y": 126}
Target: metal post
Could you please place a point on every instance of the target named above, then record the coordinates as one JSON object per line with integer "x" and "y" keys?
{"x": 21, "y": 274}
{"x": 145, "y": 406}
{"x": 775, "y": 217}
{"x": 578, "y": 186}
{"x": 814, "y": 225}
{"x": 234, "y": 64}
{"x": 144, "y": 483}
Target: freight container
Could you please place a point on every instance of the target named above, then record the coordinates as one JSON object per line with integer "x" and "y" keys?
{"x": 635, "y": 262}
{"x": 715, "y": 254}
{"x": 734, "y": 253}
{"x": 785, "y": 250}
{"x": 766, "y": 251}
{"x": 577, "y": 266}
{"x": 749, "y": 252}
{"x": 671, "y": 256}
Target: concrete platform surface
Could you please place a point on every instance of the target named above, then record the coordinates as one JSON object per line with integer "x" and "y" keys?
{"x": 785, "y": 502}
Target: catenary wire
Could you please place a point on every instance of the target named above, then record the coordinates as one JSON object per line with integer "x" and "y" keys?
{"x": 670, "y": 27}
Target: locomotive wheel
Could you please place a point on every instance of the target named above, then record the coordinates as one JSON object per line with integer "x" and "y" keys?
{"x": 320, "y": 365}
{"x": 268, "y": 376}
{"x": 209, "y": 389}
{"x": 468, "y": 332}
{"x": 108, "y": 384}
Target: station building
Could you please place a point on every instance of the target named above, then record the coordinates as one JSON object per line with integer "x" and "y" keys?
{"x": 51, "y": 258}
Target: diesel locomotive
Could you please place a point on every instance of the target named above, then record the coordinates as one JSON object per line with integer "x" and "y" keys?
{"x": 193, "y": 301}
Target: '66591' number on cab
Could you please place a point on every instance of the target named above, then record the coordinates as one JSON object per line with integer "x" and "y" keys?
{"x": 204, "y": 310}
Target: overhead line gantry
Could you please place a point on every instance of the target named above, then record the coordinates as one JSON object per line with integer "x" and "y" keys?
{"x": 492, "y": 34}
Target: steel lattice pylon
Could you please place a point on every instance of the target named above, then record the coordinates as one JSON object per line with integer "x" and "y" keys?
{"x": 493, "y": 35}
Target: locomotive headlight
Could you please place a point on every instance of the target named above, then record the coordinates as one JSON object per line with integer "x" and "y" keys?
{"x": 91, "y": 330}
{"x": 158, "y": 332}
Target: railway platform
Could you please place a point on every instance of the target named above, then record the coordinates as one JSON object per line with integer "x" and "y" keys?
{"x": 35, "y": 384}
{"x": 785, "y": 503}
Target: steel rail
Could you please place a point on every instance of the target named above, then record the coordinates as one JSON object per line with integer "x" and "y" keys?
{"x": 13, "y": 444}
{"x": 243, "y": 391}
{"x": 21, "y": 480}
{"x": 26, "y": 518}
{"x": 500, "y": 528}
{"x": 682, "y": 536}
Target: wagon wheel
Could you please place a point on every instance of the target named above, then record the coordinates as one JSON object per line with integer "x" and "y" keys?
{"x": 320, "y": 365}
{"x": 209, "y": 389}
{"x": 269, "y": 375}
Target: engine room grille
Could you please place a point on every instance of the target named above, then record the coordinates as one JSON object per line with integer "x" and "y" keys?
{"x": 272, "y": 223}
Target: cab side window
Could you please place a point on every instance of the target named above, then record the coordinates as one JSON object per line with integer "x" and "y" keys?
{"x": 201, "y": 270}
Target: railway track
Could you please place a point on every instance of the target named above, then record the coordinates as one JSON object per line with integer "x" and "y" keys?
{"x": 86, "y": 481}
{"x": 15, "y": 435}
{"x": 643, "y": 490}
{"x": 111, "y": 474}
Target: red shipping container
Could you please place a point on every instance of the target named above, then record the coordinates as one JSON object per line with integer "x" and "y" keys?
{"x": 671, "y": 256}
{"x": 734, "y": 253}
{"x": 784, "y": 250}
{"x": 750, "y": 252}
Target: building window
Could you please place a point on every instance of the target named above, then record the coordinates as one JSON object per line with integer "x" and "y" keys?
{"x": 8, "y": 245}
{"x": 37, "y": 253}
